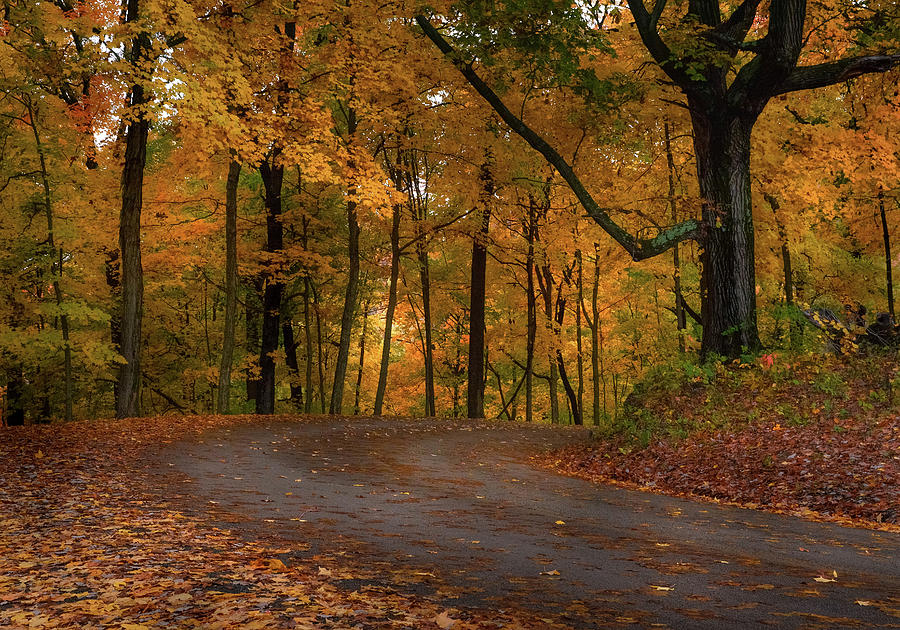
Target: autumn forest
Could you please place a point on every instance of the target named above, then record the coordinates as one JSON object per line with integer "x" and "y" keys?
{"x": 480, "y": 209}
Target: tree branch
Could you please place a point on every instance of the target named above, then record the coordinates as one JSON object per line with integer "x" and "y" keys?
{"x": 823, "y": 74}
{"x": 638, "y": 248}
{"x": 738, "y": 24}
{"x": 657, "y": 48}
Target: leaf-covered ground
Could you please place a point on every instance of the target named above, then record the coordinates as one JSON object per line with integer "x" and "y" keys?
{"x": 816, "y": 437}
{"x": 85, "y": 543}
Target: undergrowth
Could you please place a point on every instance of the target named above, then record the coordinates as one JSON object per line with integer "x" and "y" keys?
{"x": 678, "y": 400}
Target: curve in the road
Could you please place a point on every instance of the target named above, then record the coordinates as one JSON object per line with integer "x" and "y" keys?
{"x": 453, "y": 510}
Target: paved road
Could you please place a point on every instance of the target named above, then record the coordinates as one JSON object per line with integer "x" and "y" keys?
{"x": 454, "y": 511}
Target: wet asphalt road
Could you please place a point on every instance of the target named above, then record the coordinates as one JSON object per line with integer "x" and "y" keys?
{"x": 453, "y": 511}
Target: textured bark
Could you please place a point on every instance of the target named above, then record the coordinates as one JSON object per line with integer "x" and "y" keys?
{"x": 128, "y": 382}
{"x": 231, "y": 284}
{"x": 273, "y": 288}
{"x": 728, "y": 310}
{"x": 389, "y": 313}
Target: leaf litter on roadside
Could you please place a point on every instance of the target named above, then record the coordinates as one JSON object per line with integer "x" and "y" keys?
{"x": 86, "y": 543}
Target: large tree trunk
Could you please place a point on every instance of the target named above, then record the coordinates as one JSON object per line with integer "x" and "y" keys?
{"x": 722, "y": 148}
{"x": 389, "y": 314}
{"x": 476, "y": 376}
{"x": 724, "y": 99}
{"x": 128, "y": 383}
{"x": 231, "y": 284}
{"x": 272, "y": 176}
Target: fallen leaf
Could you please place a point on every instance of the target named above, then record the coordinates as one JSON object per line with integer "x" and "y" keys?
{"x": 444, "y": 621}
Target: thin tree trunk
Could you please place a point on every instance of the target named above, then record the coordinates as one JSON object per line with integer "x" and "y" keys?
{"x": 574, "y": 408}
{"x": 425, "y": 281}
{"x": 580, "y": 364}
{"x": 362, "y": 358}
{"x": 476, "y": 377}
{"x": 57, "y": 268}
{"x": 128, "y": 389}
{"x": 272, "y": 175}
{"x": 531, "y": 314}
{"x": 290, "y": 359}
{"x": 350, "y": 296}
{"x": 597, "y": 373}
{"x": 545, "y": 280}
{"x": 680, "y": 320}
{"x": 231, "y": 284}
{"x": 889, "y": 283}
{"x": 418, "y": 203}
{"x": 796, "y": 328}
{"x": 251, "y": 333}
{"x": 319, "y": 352}
{"x": 389, "y": 314}
{"x": 503, "y": 402}
{"x": 307, "y": 330}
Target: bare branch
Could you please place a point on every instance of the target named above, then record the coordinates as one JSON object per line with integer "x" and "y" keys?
{"x": 820, "y": 75}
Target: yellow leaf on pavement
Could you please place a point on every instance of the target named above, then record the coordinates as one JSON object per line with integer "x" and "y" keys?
{"x": 444, "y": 621}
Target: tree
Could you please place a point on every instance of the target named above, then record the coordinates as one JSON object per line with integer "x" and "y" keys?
{"x": 728, "y": 70}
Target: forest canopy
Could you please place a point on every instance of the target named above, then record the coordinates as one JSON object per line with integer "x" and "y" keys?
{"x": 486, "y": 209}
